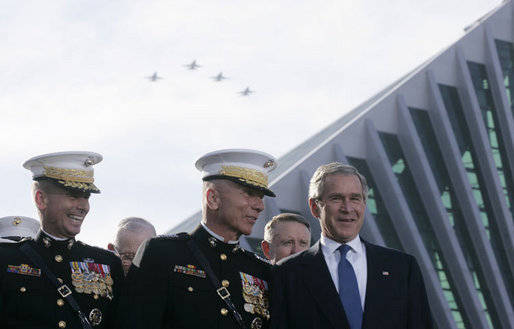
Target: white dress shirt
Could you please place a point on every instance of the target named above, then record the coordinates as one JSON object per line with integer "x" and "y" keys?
{"x": 356, "y": 256}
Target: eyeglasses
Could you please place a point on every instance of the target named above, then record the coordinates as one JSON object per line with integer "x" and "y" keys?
{"x": 126, "y": 257}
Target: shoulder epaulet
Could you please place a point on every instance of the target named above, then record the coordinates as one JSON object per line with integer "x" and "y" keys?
{"x": 178, "y": 236}
{"x": 256, "y": 256}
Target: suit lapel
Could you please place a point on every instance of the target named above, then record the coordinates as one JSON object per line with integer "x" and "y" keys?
{"x": 318, "y": 281}
{"x": 375, "y": 286}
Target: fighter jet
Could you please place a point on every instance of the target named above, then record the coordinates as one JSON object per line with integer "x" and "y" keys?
{"x": 219, "y": 77}
{"x": 246, "y": 92}
{"x": 193, "y": 65}
{"x": 154, "y": 77}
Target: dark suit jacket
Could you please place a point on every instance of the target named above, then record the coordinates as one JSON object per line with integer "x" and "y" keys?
{"x": 304, "y": 295}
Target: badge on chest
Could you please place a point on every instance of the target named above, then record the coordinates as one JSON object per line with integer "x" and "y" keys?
{"x": 24, "y": 269}
{"x": 92, "y": 278}
{"x": 255, "y": 294}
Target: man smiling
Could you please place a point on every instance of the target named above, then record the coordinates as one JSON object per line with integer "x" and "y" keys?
{"x": 344, "y": 281}
{"x": 54, "y": 281}
{"x": 204, "y": 279}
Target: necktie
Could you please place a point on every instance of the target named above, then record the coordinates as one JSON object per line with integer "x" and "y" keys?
{"x": 349, "y": 290}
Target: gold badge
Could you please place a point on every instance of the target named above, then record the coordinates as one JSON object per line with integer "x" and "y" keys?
{"x": 92, "y": 278}
{"x": 256, "y": 323}
{"x": 95, "y": 317}
{"x": 255, "y": 294}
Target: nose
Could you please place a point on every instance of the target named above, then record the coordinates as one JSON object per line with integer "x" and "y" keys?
{"x": 258, "y": 204}
{"x": 83, "y": 205}
{"x": 346, "y": 205}
{"x": 294, "y": 250}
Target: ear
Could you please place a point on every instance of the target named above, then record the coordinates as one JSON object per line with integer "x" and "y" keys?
{"x": 110, "y": 247}
{"x": 213, "y": 199}
{"x": 265, "y": 249}
{"x": 40, "y": 199}
{"x": 314, "y": 207}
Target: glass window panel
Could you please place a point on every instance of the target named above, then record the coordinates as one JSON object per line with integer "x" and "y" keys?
{"x": 488, "y": 108}
{"x": 434, "y": 154}
{"x": 462, "y": 134}
{"x": 377, "y": 207}
{"x": 420, "y": 215}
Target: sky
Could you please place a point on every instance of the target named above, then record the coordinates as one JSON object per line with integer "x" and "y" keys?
{"x": 73, "y": 76}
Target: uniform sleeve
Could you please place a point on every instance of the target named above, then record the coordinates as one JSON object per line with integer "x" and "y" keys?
{"x": 419, "y": 315}
{"x": 144, "y": 297}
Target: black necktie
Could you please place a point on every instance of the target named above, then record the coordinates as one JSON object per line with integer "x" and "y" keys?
{"x": 349, "y": 290}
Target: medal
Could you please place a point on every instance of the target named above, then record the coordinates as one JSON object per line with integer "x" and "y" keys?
{"x": 91, "y": 278}
{"x": 95, "y": 317}
{"x": 249, "y": 308}
{"x": 256, "y": 323}
{"x": 255, "y": 295}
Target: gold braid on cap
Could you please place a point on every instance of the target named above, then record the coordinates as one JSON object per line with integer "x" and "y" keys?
{"x": 73, "y": 175}
{"x": 74, "y": 178}
{"x": 251, "y": 176}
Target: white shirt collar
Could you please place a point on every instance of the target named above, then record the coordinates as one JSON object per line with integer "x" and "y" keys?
{"x": 331, "y": 245}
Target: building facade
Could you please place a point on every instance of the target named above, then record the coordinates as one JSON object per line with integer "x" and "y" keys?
{"x": 437, "y": 149}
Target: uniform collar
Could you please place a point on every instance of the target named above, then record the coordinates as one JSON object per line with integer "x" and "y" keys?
{"x": 203, "y": 234}
{"x": 49, "y": 241}
{"x": 217, "y": 236}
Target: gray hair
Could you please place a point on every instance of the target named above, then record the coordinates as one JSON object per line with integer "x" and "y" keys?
{"x": 284, "y": 217}
{"x": 334, "y": 168}
{"x": 135, "y": 225}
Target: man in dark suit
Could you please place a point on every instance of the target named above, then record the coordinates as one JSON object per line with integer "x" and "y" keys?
{"x": 169, "y": 286}
{"x": 343, "y": 281}
{"x": 89, "y": 275}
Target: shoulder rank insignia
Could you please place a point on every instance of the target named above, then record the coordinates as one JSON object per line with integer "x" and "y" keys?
{"x": 255, "y": 294}
{"x": 24, "y": 269}
{"x": 179, "y": 236}
{"x": 92, "y": 278}
{"x": 190, "y": 270}
{"x": 262, "y": 259}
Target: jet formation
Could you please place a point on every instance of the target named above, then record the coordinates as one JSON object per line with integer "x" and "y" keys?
{"x": 193, "y": 66}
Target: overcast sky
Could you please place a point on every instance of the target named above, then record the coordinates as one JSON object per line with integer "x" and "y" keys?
{"x": 72, "y": 77}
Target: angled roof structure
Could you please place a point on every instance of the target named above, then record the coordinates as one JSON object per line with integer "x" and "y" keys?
{"x": 437, "y": 149}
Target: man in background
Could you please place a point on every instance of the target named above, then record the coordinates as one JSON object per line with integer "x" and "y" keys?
{"x": 130, "y": 233}
{"x": 284, "y": 235}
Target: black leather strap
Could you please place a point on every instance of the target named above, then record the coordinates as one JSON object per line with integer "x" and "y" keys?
{"x": 222, "y": 291}
{"x": 63, "y": 289}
